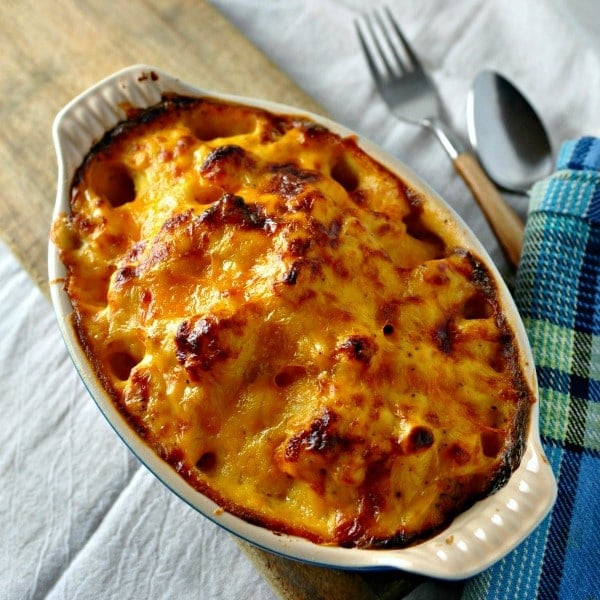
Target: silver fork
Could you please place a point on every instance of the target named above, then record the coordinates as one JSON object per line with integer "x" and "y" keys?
{"x": 412, "y": 97}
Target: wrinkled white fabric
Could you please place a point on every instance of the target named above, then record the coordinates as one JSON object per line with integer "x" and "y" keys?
{"x": 79, "y": 517}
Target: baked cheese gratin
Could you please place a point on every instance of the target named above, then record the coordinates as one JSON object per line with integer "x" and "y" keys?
{"x": 301, "y": 334}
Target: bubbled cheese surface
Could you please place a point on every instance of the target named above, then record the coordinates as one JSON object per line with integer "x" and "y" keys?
{"x": 300, "y": 334}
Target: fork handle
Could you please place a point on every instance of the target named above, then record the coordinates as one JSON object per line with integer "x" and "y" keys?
{"x": 503, "y": 220}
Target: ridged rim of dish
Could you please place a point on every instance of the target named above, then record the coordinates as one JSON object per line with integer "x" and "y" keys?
{"x": 475, "y": 539}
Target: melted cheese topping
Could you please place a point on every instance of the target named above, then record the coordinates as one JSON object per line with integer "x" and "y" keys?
{"x": 299, "y": 333}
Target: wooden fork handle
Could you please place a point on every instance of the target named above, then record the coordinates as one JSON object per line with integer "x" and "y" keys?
{"x": 503, "y": 220}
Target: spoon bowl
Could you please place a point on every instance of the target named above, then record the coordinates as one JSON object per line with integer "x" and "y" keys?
{"x": 507, "y": 134}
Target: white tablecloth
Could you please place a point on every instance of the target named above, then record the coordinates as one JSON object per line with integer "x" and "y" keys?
{"x": 79, "y": 517}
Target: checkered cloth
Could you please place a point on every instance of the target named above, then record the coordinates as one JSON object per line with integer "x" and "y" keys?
{"x": 558, "y": 293}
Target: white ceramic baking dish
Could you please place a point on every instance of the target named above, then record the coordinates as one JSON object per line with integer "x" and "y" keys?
{"x": 475, "y": 539}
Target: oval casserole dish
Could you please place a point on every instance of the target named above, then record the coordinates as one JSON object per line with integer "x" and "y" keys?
{"x": 474, "y": 539}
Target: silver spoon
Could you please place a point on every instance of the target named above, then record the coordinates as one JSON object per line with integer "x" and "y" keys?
{"x": 507, "y": 134}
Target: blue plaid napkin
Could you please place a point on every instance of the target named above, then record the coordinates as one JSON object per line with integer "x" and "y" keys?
{"x": 558, "y": 293}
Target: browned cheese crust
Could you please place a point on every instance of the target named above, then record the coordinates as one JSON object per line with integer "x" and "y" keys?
{"x": 303, "y": 336}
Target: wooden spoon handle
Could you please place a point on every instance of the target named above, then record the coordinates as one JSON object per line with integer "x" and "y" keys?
{"x": 505, "y": 223}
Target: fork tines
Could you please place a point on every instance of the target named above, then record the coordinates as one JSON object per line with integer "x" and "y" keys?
{"x": 385, "y": 46}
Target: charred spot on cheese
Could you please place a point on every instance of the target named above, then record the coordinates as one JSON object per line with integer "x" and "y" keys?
{"x": 420, "y": 438}
{"x": 125, "y": 274}
{"x": 359, "y": 348}
{"x": 312, "y": 131}
{"x": 310, "y": 266}
{"x": 203, "y": 341}
{"x": 444, "y": 334}
{"x": 299, "y": 246}
{"x": 301, "y": 334}
{"x": 232, "y": 210}
{"x": 289, "y": 181}
{"x": 458, "y": 454}
{"x": 291, "y": 276}
{"x": 226, "y": 164}
{"x": 325, "y": 233}
{"x": 320, "y": 437}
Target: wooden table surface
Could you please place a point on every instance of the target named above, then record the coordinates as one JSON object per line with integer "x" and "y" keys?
{"x": 51, "y": 52}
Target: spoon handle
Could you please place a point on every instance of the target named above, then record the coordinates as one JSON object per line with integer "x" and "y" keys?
{"x": 503, "y": 220}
